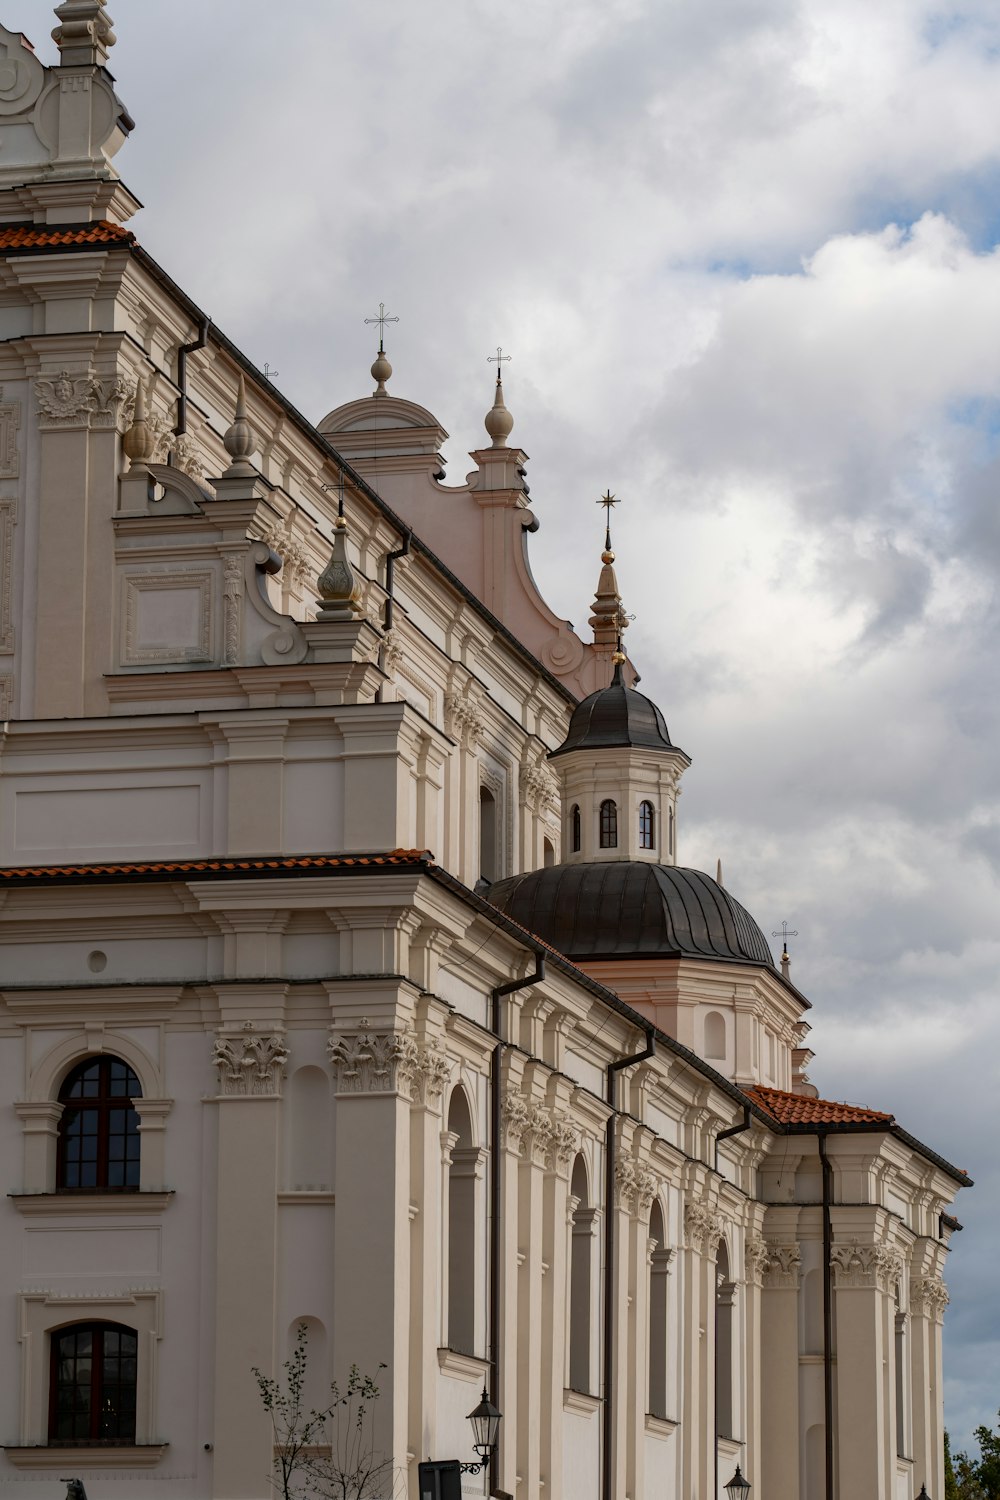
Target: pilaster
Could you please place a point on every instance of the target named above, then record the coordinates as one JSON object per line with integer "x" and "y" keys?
{"x": 250, "y": 1067}
{"x": 865, "y": 1277}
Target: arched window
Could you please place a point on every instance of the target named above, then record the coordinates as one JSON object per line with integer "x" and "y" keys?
{"x": 548, "y": 853}
{"x": 487, "y": 834}
{"x": 580, "y": 1280}
{"x": 575, "y": 828}
{"x": 658, "y": 1271}
{"x": 92, "y": 1384}
{"x": 99, "y": 1129}
{"x": 724, "y": 1297}
{"x": 609, "y": 825}
{"x": 462, "y": 1176}
{"x": 715, "y": 1035}
{"x": 670, "y": 832}
{"x": 647, "y": 826}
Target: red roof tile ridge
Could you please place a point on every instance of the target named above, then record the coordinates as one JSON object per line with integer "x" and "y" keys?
{"x": 29, "y": 236}
{"x": 234, "y": 863}
{"x": 801, "y": 1109}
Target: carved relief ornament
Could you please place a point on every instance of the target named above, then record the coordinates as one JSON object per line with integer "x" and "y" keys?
{"x": 772, "y": 1265}
{"x": 635, "y": 1186}
{"x": 69, "y": 399}
{"x": 10, "y": 421}
{"x": 929, "y": 1297}
{"x": 463, "y": 720}
{"x": 250, "y": 1063}
{"x": 702, "y": 1228}
{"x": 538, "y": 788}
{"x": 537, "y": 1134}
{"x": 858, "y": 1265}
{"x": 383, "y": 1062}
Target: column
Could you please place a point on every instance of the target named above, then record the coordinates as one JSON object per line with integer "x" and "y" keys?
{"x": 430, "y": 1069}
{"x": 865, "y": 1277}
{"x": 372, "y": 1228}
{"x": 557, "y": 1211}
{"x": 251, "y": 1065}
{"x": 702, "y": 1232}
{"x": 774, "y": 1275}
{"x": 928, "y": 1300}
{"x": 530, "y": 1342}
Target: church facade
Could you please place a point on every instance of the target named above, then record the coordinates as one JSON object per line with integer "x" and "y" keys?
{"x": 350, "y": 976}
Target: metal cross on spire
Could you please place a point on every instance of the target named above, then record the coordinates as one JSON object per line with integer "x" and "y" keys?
{"x": 608, "y": 500}
{"x": 381, "y": 320}
{"x": 498, "y": 359}
{"x": 785, "y": 933}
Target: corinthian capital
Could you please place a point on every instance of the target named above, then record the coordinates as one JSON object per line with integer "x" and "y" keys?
{"x": 250, "y": 1063}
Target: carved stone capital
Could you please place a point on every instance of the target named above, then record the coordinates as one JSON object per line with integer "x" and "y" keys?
{"x": 424, "y": 1073}
{"x": 702, "y": 1228}
{"x": 251, "y": 1064}
{"x": 538, "y": 788}
{"x": 563, "y": 1144}
{"x": 84, "y": 399}
{"x": 635, "y": 1186}
{"x": 928, "y": 1298}
{"x": 372, "y": 1062}
{"x": 463, "y": 720}
{"x": 775, "y": 1266}
{"x": 860, "y": 1265}
{"x": 514, "y": 1118}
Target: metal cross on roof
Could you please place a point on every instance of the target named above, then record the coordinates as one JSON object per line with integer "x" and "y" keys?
{"x": 381, "y": 320}
{"x": 268, "y": 373}
{"x": 608, "y": 500}
{"x": 498, "y": 359}
{"x": 785, "y": 933}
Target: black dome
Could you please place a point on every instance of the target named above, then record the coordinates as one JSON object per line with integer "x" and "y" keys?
{"x": 613, "y": 717}
{"x": 632, "y": 909}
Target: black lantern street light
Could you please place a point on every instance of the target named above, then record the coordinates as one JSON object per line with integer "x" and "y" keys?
{"x": 737, "y": 1488}
{"x": 923, "y": 1493}
{"x": 485, "y": 1430}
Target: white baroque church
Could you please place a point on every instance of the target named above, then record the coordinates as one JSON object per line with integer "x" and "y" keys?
{"x": 349, "y": 972}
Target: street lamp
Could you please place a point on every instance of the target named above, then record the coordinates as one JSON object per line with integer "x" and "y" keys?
{"x": 923, "y": 1493}
{"x": 737, "y": 1488}
{"x": 485, "y": 1430}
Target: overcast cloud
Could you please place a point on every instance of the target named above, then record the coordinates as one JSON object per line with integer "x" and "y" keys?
{"x": 744, "y": 255}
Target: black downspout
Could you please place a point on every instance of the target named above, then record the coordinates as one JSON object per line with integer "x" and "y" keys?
{"x": 495, "y": 1201}
{"x": 182, "y": 354}
{"x": 609, "y": 1254}
{"x": 391, "y": 558}
{"x": 723, "y": 1135}
{"x": 827, "y": 1311}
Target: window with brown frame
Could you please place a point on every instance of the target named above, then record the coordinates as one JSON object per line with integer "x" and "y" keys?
{"x": 99, "y": 1128}
{"x": 92, "y": 1385}
{"x": 609, "y": 825}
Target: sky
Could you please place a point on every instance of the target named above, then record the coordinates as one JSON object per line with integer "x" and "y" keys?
{"x": 744, "y": 255}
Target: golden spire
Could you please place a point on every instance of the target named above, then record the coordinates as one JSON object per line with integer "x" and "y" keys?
{"x": 608, "y": 618}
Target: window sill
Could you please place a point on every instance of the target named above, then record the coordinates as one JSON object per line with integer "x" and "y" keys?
{"x": 660, "y": 1426}
{"x": 580, "y": 1403}
{"x": 65, "y": 1456}
{"x": 464, "y": 1366}
{"x": 49, "y": 1204}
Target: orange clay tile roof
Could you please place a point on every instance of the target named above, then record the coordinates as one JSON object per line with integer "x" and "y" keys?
{"x": 797, "y": 1109}
{"x": 184, "y": 867}
{"x": 32, "y": 236}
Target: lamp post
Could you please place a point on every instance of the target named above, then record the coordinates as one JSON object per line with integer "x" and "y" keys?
{"x": 737, "y": 1488}
{"x": 923, "y": 1493}
{"x": 485, "y": 1421}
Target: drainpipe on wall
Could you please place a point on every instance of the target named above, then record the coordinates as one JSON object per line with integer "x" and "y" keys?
{"x": 493, "y": 1270}
{"x": 182, "y": 354}
{"x": 609, "y": 1255}
{"x": 827, "y": 1312}
{"x": 723, "y": 1135}
{"x": 391, "y": 558}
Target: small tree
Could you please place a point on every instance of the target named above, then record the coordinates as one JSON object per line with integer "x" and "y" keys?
{"x": 330, "y": 1451}
{"x": 968, "y": 1478}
